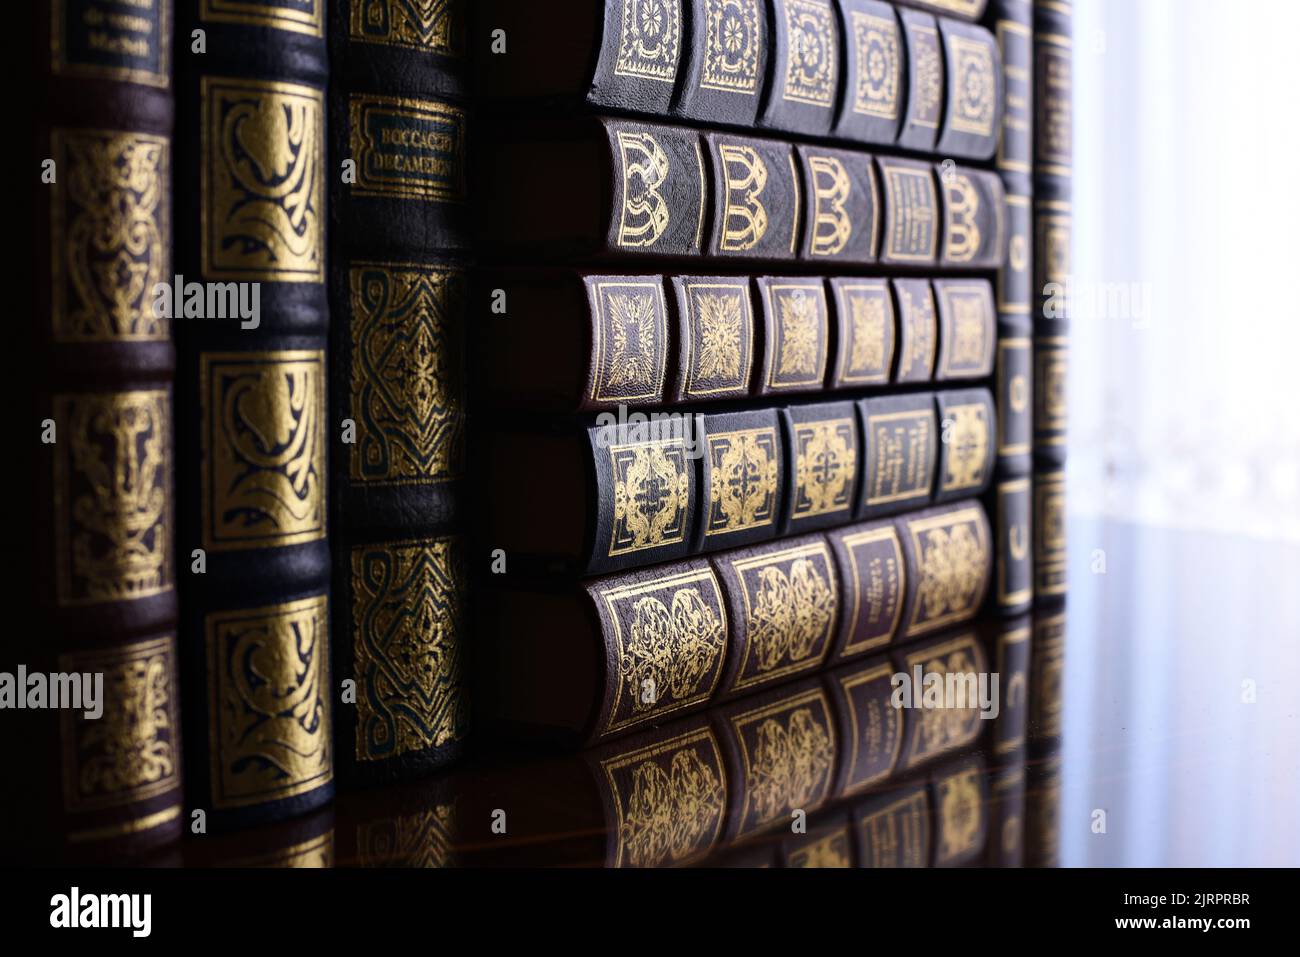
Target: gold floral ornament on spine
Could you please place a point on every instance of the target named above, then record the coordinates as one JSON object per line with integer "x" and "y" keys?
{"x": 263, "y": 463}
{"x": 733, "y": 40}
{"x": 112, "y": 482}
{"x": 408, "y": 628}
{"x": 110, "y": 229}
{"x": 269, "y": 705}
{"x": 262, "y": 180}
{"x": 430, "y": 26}
{"x": 650, "y": 36}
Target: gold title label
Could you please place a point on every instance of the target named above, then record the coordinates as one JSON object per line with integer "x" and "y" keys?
{"x": 877, "y": 64}
{"x": 876, "y": 564}
{"x": 961, "y": 815}
{"x": 866, "y": 333}
{"x": 911, "y": 203}
{"x": 669, "y": 800}
{"x": 645, "y": 214}
{"x": 812, "y": 53}
{"x": 877, "y": 726}
{"x": 1055, "y": 122}
{"x": 952, "y": 557}
{"x": 112, "y": 496}
{"x": 650, "y": 37}
{"x": 262, "y": 180}
{"x": 974, "y": 87}
{"x": 296, "y": 16}
{"x": 787, "y": 752}
{"x": 110, "y": 231}
{"x": 791, "y": 601}
{"x": 966, "y": 446}
{"x": 269, "y": 724}
{"x": 719, "y": 343}
{"x": 263, "y": 467}
{"x": 1013, "y": 388}
{"x": 904, "y": 453}
{"x": 670, "y": 637}
{"x": 1051, "y": 380}
{"x": 963, "y": 238}
{"x": 412, "y": 149}
{"x": 918, "y": 324}
{"x": 652, "y": 495}
{"x": 132, "y": 752}
{"x": 733, "y": 44}
{"x": 926, "y": 97}
{"x": 744, "y": 178}
{"x": 408, "y": 647}
{"x": 744, "y": 467}
{"x": 826, "y": 463}
{"x": 830, "y": 851}
{"x": 897, "y": 835}
{"x": 970, "y": 330}
{"x": 938, "y": 730}
{"x": 832, "y": 226}
{"x": 407, "y": 388}
{"x": 631, "y": 340}
{"x": 1015, "y": 567}
{"x": 430, "y": 26}
{"x": 1049, "y": 533}
{"x": 800, "y": 330}
{"x": 100, "y": 38}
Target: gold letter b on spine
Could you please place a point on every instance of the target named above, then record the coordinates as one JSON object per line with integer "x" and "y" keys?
{"x": 831, "y": 188}
{"x": 645, "y": 169}
{"x": 745, "y": 174}
{"x": 963, "y": 228}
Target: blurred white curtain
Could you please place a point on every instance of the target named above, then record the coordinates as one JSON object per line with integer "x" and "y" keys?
{"x": 1187, "y": 134}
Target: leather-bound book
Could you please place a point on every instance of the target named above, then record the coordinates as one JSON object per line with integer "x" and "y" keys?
{"x": 968, "y": 438}
{"x": 823, "y": 461}
{"x": 973, "y": 111}
{"x": 974, "y": 219}
{"x": 865, "y": 333}
{"x": 95, "y": 565}
{"x": 925, "y": 81}
{"x": 584, "y": 663}
{"x": 794, "y": 318}
{"x": 252, "y": 426}
{"x": 742, "y": 480}
{"x": 875, "y": 77}
{"x": 966, "y": 9}
{"x": 1049, "y": 528}
{"x": 967, "y": 329}
{"x": 804, "y": 67}
{"x": 918, "y": 330}
{"x": 902, "y": 442}
{"x": 398, "y": 242}
{"x": 1012, "y": 510}
{"x": 726, "y": 49}
{"x": 842, "y": 223}
{"x": 717, "y": 341}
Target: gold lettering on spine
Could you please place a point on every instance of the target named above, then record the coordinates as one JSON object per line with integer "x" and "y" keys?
{"x": 411, "y": 149}
{"x": 112, "y": 496}
{"x": 269, "y": 703}
{"x": 879, "y": 69}
{"x": 408, "y": 652}
{"x": 645, "y": 214}
{"x": 733, "y": 41}
{"x": 110, "y": 231}
{"x": 744, "y": 175}
{"x": 262, "y": 180}
{"x": 812, "y": 57}
{"x": 263, "y": 455}
{"x": 831, "y": 187}
{"x": 912, "y": 201}
{"x": 289, "y": 15}
{"x": 928, "y": 71}
{"x": 650, "y": 36}
{"x": 141, "y": 42}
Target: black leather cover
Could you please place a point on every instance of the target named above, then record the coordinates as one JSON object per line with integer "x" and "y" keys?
{"x": 724, "y": 61}
{"x": 969, "y": 433}
{"x": 864, "y": 332}
{"x": 804, "y": 70}
{"x": 637, "y": 66}
{"x": 842, "y": 221}
{"x": 974, "y": 219}
{"x": 1051, "y": 399}
{"x": 973, "y": 112}
{"x": 967, "y": 329}
{"x": 966, "y": 9}
{"x": 1049, "y": 526}
{"x": 1012, "y": 22}
{"x": 875, "y": 75}
{"x": 742, "y": 479}
{"x": 910, "y": 234}
{"x": 717, "y": 338}
{"x": 824, "y": 456}
{"x": 756, "y": 198}
{"x": 918, "y": 330}
{"x": 869, "y": 560}
{"x": 902, "y": 441}
{"x": 252, "y": 425}
{"x": 795, "y": 324}
{"x": 953, "y": 538}
{"x": 925, "y": 81}
{"x": 1012, "y": 510}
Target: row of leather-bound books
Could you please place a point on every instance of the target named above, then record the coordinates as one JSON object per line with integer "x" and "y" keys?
{"x": 415, "y": 378}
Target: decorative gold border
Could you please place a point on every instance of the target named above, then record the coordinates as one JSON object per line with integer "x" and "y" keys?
{"x": 841, "y": 300}
{"x": 162, "y": 79}
{"x": 813, "y": 286}
{"x": 661, "y": 330}
{"x": 946, "y": 520}
{"x": 265, "y": 15}
{"x": 1004, "y": 394}
{"x": 1006, "y": 489}
{"x": 850, "y": 542}
{"x": 916, "y": 414}
{"x": 688, "y": 342}
{"x": 847, "y": 684}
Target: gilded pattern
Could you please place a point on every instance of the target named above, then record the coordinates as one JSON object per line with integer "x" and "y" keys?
{"x": 733, "y": 42}
{"x": 409, "y": 148}
{"x": 744, "y": 467}
{"x": 670, "y": 635}
{"x": 974, "y": 86}
{"x": 1049, "y": 533}
{"x": 876, "y": 562}
{"x": 903, "y": 442}
{"x": 913, "y": 219}
{"x": 430, "y": 26}
{"x": 944, "y": 728}
{"x": 408, "y": 659}
{"x": 406, "y": 385}
{"x": 962, "y": 234}
{"x": 269, "y": 702}
{"x": 799, "y": 328}
{"x": 951, "y": 557}
{"x": 967, "y": 430}
{"x": 423, "y": 839}
{"x": 788, "y": 753}
{"x": 812, "y": 58}
{"x": 826, "y": 461}
{"x": 897, "y": 835}
{"x": 744, "y": 175}
{"x": 919, "y": 338}
{"x": 879, "y": 69}
{"x": 829, "y": 851}
{"x": 721, "y": 320}
{"x": 831, "y": 188}
{"x": 631, "y": 333}
{"x": 89, "y": 38}
{"x": 132, "y": 752}
{"x": 1051, "y": 377}
{"x": 112, "y": 496}
{"x": 263, "y": 467}
{"x": 791, "y": 603}
{"x": 928, "y": 73}
{"x": 645, "y": 213}
{"x": 669, "y": 800}
{"x": 262, "y": 180}
{"x": 296, "y": 16}
{"x": 868, "y": 355}
{"x": 110, "y": 229}
{"x": 649, "y": 40}
{"x": 960, "y": 814}
{"x": 970, "y": 313}
{"x": 651, "y": 495}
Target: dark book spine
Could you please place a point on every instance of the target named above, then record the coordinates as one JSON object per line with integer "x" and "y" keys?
{"x": 398, "y": 254}
{"x": 102, "y": 514}
{"x": 966, "y": 9}
{"x": 581, "y": 342}
{"x": 252, "y": 418}
{"x": 672, "y": 192}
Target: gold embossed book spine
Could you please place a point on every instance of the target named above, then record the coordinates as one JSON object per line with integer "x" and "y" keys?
{"x": 399, "y": 245}
{"x": 252, "y": 420}
{"x": 93, "y": 569}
